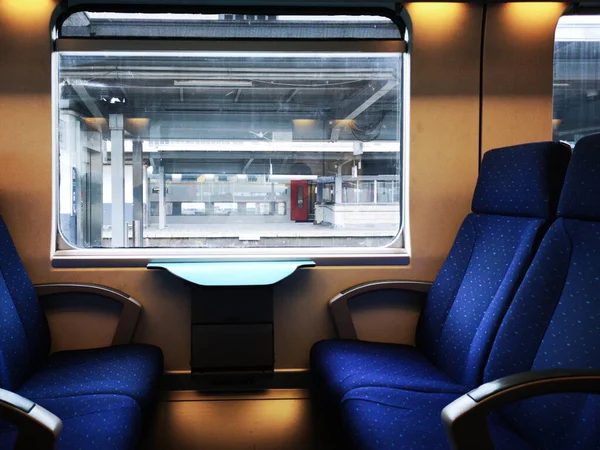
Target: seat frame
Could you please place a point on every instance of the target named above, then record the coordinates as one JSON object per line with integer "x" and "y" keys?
{"x": 465, "y": 418}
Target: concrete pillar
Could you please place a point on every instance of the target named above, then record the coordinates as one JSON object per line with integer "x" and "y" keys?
{"x": 138, "y": 189}
{"x": 146, "y": 188}
{"x": 272, "y": 205}
{"x": 117, "y": 167}
{"x": 338, "y": 186}
{"x": 375, "y": 191}
{"x": 162, "y": 192}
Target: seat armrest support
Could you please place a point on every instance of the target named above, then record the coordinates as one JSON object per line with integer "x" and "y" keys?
{"x": 340, "y": 311}
{"x": 37, "y": 428}
{"x": 130, "y": 311}
{"x": 465, "y": 418}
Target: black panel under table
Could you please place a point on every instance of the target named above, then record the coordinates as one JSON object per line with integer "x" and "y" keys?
{"x": 232, "y": 329}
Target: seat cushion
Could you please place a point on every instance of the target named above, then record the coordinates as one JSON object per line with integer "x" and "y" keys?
{"x": 90, "y": 422}
{"x": 384, "y": 418}
{"x": 341, "y": 365}
{"x": 131, "y": 370}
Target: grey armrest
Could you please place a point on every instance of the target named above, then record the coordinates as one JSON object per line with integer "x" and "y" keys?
{"x": 465, "y": 418}
{"x": 130, "y": 311}
{"x": 37, "y": 428}
{"x": 340, "y": 311}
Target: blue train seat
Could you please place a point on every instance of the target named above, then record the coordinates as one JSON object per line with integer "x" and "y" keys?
{"x": 90, "y": 422}
{"x": 514, "y": 201}
{"x": 553, "y": 322}
{"x": 120, "y": 377}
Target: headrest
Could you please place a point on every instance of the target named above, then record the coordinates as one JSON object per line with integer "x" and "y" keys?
{"x": 580, "y": 197}
{"x": 522, "y": 180}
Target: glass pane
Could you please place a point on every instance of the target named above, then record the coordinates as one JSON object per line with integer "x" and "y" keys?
{"x": 576, "y": 99}
{"x": 300, "y": 197}
{"x": 201, "y": 148}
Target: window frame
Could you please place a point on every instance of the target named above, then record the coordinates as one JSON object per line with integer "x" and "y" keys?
{"x": 577, "y": 19}
{"x": 63, "y": 254}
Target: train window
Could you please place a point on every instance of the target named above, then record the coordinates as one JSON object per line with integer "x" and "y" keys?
{"x": 194, "y": 131}
{"x": 576, "y": 99}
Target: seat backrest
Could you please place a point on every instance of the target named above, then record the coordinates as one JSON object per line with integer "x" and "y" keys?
{"x": 24, "y": 334}
{"x": 554, "y": 319}
{"x": 515, "y": 199}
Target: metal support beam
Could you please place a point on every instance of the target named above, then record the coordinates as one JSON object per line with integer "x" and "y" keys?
{"x": 117, "y": 167}
{"x": 247, "y": 165}
{"x": 162, "y": 213}
{"x": 138, "y": 191}
{"x": 87, "y": 100}
{"x": 291, "y": 95}
{"x": 285, "y": 103}
{"x": 147, "y": 193}
{"x": 359, "y": 103}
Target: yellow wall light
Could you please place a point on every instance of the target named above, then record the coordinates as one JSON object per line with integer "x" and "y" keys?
{"x": 533, "y": 14}
{"x": 444, "y": 20}
{"x": 26, "y": 15}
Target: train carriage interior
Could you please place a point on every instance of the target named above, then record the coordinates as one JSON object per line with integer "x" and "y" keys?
{"x": 299, "y": 225}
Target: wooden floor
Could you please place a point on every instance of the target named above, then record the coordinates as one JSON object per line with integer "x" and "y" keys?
{"x": 279, "y": 419}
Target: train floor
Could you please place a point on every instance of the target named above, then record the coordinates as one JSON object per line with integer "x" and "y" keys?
{"x": 278, "y": 419}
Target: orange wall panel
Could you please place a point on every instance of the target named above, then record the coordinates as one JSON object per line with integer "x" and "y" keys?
{"x": 517, "y": 73}
{"x": 444, "y": 121}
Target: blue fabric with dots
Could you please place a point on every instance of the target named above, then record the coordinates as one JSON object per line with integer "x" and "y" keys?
{"x": 99, "y": 393}
{"x": 580, "y": 197}
{"x": 553, "y": 322}
{"x": 14, "y": 353}
{"x": 24, "y": 338}
{"x": 490, "y": 255}
{"x": 90, "y": 422}
{"x": 521, "y": 180}
{"x": 352, "y": 364}
{"x": 133, "y": 370}
{"x": 500, "y": 252}
{"x": 26, "y": 368}
{"x": 471, "y": 294}
{"x": 377, "y": 418}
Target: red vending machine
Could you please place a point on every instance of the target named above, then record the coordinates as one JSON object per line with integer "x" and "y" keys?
{"x": 299, "y": 200}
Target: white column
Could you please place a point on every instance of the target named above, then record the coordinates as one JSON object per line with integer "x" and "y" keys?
{"x": 138, "y": 188}
{"x": 162, "y": 213}
{"x": 338, "y": 186}
{"x": 375, "y": 191}
{"x": 117, "y": 164}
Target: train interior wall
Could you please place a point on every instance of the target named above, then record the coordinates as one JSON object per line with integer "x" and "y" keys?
{"x": 481, "y": 77}
{"x": 445, "y": 122}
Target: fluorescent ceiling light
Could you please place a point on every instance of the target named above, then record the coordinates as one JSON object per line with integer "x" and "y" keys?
{"x": 268, "y": 146}
{"x": 213, "y": 17}
{"x": 345, "y": 19}
{"x": 146, "y": 16}
{"x": 211, "y": 83}
{"x": 316, "y": 54}
{"x": 578, "y": 28}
